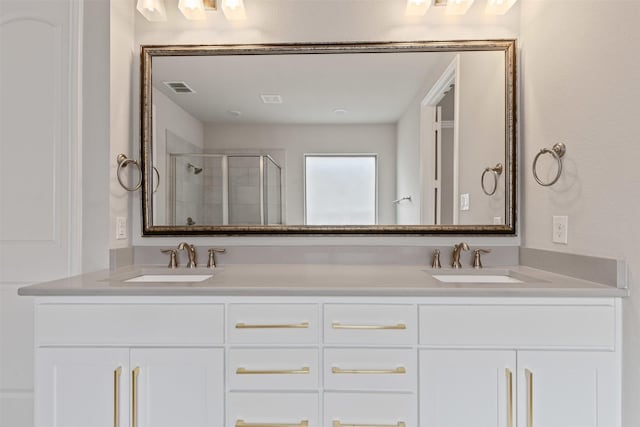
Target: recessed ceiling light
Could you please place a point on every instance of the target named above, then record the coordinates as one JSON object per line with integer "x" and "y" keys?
{"x": 271, "y": 98}
{"x": 340, "y": 111}
{"x": 234, "y": 113}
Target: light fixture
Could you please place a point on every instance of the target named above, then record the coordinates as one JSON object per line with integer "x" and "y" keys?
{"x": 499, "y": 7}
{"x": 417, "y": 7}
{"x": 153, "y": 10}
{"x": 192, "y": 9}
{"x": 458, "y": 7}
{"x": 234, "y": 10}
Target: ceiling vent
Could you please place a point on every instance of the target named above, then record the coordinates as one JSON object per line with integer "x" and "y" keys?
{"x": 271, "y": 99}
{"x": 179, "y": 87}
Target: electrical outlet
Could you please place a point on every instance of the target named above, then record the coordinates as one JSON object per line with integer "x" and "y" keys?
{"x": 560, "y": 229}
{"x": 464, "y": 202}
{"x": 121, "y": 228}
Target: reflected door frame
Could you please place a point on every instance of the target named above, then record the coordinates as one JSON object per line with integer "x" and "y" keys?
{"x": 431, "y": 149}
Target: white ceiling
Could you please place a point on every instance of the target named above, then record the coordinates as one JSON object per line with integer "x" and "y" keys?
{"x": 373, "y": 88}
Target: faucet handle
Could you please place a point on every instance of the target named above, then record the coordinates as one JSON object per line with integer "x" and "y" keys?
{"x": 477, "y": 262}
{"x": 173, "y": 263}
{"x": 435, "y": 262}
{"x": 212, "y": 256}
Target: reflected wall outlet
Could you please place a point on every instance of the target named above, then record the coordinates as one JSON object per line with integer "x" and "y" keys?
{"x": 560, "y": 229}
{"x": 464, "y": 202}
{"x": 121, "y": 228}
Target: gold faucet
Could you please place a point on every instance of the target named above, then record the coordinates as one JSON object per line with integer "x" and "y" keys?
{"x": 455, "y": 255}
{"x": 191, "y": 252}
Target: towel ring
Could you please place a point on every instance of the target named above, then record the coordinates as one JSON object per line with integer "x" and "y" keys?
{"x": 557, "y": 151}
{"x": 123, "y": 162}
{"x": 495, "y": 172}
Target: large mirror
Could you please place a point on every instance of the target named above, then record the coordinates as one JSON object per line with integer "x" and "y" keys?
{"x": 364, "y": 138}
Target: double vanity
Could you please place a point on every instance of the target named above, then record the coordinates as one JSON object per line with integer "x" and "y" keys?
{"x": 327, "y": 345}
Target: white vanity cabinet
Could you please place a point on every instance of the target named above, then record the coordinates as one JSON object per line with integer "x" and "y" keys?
{"x": 327, "y": 361}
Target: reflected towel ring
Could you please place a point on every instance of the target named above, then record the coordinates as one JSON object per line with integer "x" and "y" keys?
{"x": 495, "y": 172}
{"x": 557, "y": 151}
{"x": 123, "y": 162}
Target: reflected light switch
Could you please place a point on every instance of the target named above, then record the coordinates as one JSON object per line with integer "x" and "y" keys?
{"x": 464, "y": 202}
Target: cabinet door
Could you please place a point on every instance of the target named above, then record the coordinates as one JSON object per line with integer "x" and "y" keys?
{"x": 568, "y": 389}
{"x": 462, "y": 388}
{"x": 82, "y": 387}
{"x": 177, "y": 387}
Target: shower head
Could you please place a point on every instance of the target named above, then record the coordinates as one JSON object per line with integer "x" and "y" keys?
{"x": 196, "y": 170}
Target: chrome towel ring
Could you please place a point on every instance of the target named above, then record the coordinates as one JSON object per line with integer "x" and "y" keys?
{"x": 557, "y": 151}
{"x": 496, "y": 171}
{"x": 123, "y": 162}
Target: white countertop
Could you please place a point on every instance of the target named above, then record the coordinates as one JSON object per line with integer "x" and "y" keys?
{"x": 325, "y": 280}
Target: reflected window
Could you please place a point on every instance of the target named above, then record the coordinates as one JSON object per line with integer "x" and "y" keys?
{"x": 340, "y": 189}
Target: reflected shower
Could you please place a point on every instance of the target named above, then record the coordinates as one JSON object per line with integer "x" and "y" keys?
{"x": 196, "y": 170}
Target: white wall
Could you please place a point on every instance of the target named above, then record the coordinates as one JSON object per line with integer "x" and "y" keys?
{"x": 119, "y": 75}
{"x": 169, "y": 116}
{"x": 481, "y": 124}
{"x": 580, "y": 86}
{"x": 323, "y": 21}
{"x": 296, "y": 140}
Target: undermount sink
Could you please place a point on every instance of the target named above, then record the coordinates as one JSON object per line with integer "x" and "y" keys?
{"x": 172, "y": 278}
{"x": 476, "y": 278}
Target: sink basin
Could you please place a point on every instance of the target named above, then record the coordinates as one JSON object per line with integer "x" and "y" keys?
{"x": 476, "y": 278}
{"x": 173, "y": 278}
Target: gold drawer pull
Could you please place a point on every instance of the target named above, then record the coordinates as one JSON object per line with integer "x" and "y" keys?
{"x": 134, "y": 396}
{"x": 338, "y": 325}
{"x": 116, "y": 396}
{"x": 241, "y": 423}
{"x": 303, "y": 325}
{"x": 509, "y": 397}
{"x": 529, "y": 376}
{"x": 243, "y": 371}
{"x": 337, "y": 423}
{"x": 398, "y": 370}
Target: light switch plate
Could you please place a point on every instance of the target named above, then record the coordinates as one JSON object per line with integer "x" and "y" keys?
{"x": 464, "y": 202}
{"x": 560, "y": 229}
{"x": 121, "y": 228}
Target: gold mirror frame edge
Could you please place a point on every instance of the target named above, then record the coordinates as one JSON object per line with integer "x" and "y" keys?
{"x": 508, "y": 46}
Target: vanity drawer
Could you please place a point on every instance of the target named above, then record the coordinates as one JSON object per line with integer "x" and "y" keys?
{"x": 272, "y": 324}
{"x": 273, "y": 369}
{"x": 370, "y": 369}
{"x": 292, "y": 409}
{"x": 375, "y": 409}
{"x": 518, "y": 326}
{"x": 383, "y": 324}
{"x": 125, "y": 324}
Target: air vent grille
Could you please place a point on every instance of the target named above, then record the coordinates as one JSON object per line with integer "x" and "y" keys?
{"x": 271, "y": 99}
{"x": 179, "y": 87}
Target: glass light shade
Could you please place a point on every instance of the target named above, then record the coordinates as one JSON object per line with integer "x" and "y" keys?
{"x": 192, "y": 9}
{"x": 499, "y": 7}
{"x": 234, "y": 10}
{"x": 458, "y": 7}
{"x": 417, "y": 7}
{"x": 153, "y": 10}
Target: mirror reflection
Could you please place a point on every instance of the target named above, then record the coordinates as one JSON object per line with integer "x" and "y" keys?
{"x": 380, "y": 138}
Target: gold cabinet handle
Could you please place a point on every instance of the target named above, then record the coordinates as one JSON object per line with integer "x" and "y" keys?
{"x": 134, "y": 396}
{"x": 509, "y": 397}
{"x": 338, "y": 325}
{"x": 244, "y": 371}
{"x": 529, "y": 376}
{"x": 116, "y": 396}
{"x": 303, "y": 325}
{"x": 337, "y": 423}
{"x": 398, "y": 370}
{"x": 241, "y": 423}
